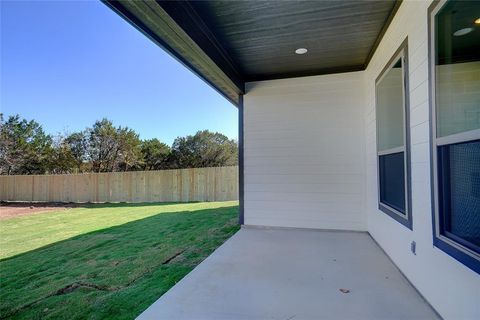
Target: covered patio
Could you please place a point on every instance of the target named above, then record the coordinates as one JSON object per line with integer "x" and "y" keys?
{"x": 263, "y": 273}
{"x": 338, "y": 108}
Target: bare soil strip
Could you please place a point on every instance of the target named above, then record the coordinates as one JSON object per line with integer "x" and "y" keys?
{"x": 16, "y": 209}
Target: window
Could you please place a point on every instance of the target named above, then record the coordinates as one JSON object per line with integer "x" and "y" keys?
{"x": 392, "y": 139}
{"x": 455, "y": 113}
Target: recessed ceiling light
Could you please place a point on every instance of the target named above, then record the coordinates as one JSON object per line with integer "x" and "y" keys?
{"x": 462, "y": 32}
{"x": 301, "y": 51}
{"x": 477, "y": 21}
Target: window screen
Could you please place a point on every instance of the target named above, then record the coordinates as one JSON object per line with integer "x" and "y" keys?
{"x": 392, "y": 181}
{"x": 460, "y": 190}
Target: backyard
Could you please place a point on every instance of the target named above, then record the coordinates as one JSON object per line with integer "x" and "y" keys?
{"x": 108, "y": 261}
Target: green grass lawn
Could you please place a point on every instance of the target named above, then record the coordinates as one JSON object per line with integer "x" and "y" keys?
{"x": 108, "y": 261}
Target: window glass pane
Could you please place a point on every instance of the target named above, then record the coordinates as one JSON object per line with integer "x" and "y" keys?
{"x": 460, "y": 190}
{"x": 392, "y": 181}
{"x": 458, "y": 67}
{"x": 390, "y": 109}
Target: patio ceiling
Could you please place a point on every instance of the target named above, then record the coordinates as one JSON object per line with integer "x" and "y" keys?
{"x": 228, "y": 43}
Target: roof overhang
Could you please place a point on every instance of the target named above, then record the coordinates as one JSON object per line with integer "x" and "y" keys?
{"x": 228, "y": 43}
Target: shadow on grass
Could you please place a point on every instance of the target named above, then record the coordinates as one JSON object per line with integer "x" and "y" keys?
{"x": 114, "y": 273}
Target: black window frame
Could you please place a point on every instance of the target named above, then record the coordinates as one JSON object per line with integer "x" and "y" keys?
{"x": 404, "y": 219}
{"x": 456, "y": 247}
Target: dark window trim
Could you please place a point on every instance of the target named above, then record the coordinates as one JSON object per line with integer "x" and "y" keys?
{"x": 241, "y": 185}
{"x": 446, "y": 243}
{"x": 404, "y": 219}
{"x": 462, "y": 242}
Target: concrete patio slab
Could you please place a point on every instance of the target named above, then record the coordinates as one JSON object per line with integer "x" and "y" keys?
{"x": 293, "y": 274}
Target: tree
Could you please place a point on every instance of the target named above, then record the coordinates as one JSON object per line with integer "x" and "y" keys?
{"x": 129, "y": 155}
{"x": 110, "y": 149}
{"x": 77, "y": 143}
{"x": 24, "y": 146}
{"x": 26, "y": 149}
{"x": 155, "y": 154}
{"x": 102, "y": 146}
{"x": 204, "y": 149}
{"x": 62, "y": 159}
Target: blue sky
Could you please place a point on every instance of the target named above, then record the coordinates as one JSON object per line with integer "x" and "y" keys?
{"x": 68, "y": 63}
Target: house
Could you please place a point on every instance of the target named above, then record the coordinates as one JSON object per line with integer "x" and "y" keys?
{"x": 357, "y": 116}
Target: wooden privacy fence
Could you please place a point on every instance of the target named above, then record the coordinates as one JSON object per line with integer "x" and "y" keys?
{"x": 182, "y": 185}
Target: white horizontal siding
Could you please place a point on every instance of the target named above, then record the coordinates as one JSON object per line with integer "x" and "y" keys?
{"x": 311, "y": 161}
{"x": 304, "y": 152}
{"x": 451, "y": 288}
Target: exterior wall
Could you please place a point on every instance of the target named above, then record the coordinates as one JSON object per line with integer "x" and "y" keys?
{"x": 304, "y": 152}
{"x": 451, "y": 288}
{"x": 308, "y": 165}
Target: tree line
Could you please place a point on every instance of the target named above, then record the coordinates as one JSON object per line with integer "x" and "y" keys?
{"x": 25, "y": 148}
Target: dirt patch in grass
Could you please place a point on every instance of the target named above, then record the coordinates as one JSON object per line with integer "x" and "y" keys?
{"x": 16, "y": 209}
